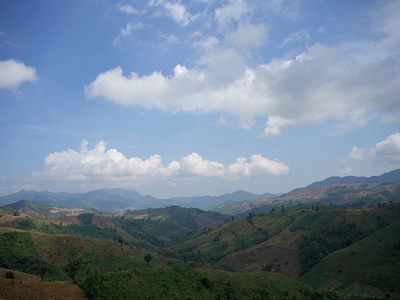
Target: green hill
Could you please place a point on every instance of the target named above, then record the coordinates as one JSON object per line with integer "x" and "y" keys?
{"x": 160, "y": 278}
{"x": 29, "y": 251}
{"x": 234, "y": 237}
{"x": 28, "y": 206}
{"x": 371, "y": 262}
{"x": 188, "y": 283}
{"x": 286, "y": 241}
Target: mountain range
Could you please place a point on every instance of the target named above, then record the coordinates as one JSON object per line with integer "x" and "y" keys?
{"x": 391, "y": 176}
{"x": 119, "y": 199}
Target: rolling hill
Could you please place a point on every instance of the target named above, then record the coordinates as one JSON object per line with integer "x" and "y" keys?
{"x": 124, "y": 273}
{"x": 341, "y": 239}
{"x": 294, "y": 242}
{"x": 148, "y": 229}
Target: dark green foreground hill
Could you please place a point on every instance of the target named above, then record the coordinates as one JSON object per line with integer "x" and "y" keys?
{"x": 370, "y": 266}
{"x": 188, "y": 283}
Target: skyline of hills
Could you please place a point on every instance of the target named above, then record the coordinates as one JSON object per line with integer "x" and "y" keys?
{"x": 115, "y": 199}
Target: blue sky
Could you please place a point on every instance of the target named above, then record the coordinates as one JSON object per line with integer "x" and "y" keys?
{"x": 196, "y": 97}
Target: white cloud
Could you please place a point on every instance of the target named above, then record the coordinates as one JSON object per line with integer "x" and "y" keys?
{"x": 258, "y": 165}
{"x": 169, "y": 39}
{"x": 100, "y": 164}
{"x": 175, "y": 10}
{"x": 359, "y": 153}
{"x": 127, "y": 9}
{"x": 346, "y": 171}
{"x": 299, "y": 36}
{"x": 247, "y": 36}
{"x": 343, "y": 84}
{"x": 320, "y": 84}
{"x": 236, "y": 10}
{"x": 130, "y": 26}
{"x": 206, "y": 43}
{"x": 388, "y": 149}
{"x": 13, "y": 73}
{"x": 274, "y": 125}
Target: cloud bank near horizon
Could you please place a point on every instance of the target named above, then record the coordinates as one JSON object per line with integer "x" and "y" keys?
{"x": 100, "y": 164}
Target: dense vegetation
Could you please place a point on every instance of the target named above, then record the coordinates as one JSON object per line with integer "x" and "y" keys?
{"x": 181, "y": 282}
{"x": 326, "y": 232}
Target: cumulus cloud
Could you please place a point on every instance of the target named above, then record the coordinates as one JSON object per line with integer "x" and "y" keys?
{"x": 247, "y": 36}
{"x": 127, "y": 8}
{"x": 205, "y": 43}
{"x": 175, "y": 10}
{"x": 257, "y": 165}
{"x": 359, "y": 153}
{"x": 346, "y": 171}
{"x": 342, "y": 83}
{"x": 235, "y": 10}
{"x": 13, "y": 73}
{"x": 387, "y": 150}
{"x": 274, "y": 125}
{"x": 102, "y": 164}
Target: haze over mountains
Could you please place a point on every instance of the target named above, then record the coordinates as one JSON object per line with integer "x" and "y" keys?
{"x": 120, "y": 199}
{"x": 391, "y": 176}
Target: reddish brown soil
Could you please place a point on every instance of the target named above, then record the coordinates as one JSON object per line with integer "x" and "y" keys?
{"x": 205, "y": 222}
{"x": 102, "y": 221}
{"x": 68, "y": 220}
{"x": 36, "y": 290}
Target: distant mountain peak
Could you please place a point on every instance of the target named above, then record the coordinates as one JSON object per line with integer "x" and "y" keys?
{"x": 392, "y": 176}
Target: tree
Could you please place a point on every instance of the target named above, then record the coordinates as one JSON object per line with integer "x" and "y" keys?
{"x": 121, "y": 241}
{"x": 42, "y": 271}
{"x": 74, "y": 264}
{"x": 92, "y": 281}
{"x": 148, "y": 257}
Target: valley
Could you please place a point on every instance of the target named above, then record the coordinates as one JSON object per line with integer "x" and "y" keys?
{"x": 338, "y": 241}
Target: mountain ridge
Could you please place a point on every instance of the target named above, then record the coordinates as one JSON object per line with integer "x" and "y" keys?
{"x": 391, "y": 176}
{"x": 115, "y": 199}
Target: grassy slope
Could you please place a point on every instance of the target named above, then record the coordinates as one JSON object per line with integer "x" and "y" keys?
{"x": 185, "y": 283}
{"x": 373, "y": 261}
{"x": 35, "y": 290}
{"x": 27, "y": 251}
